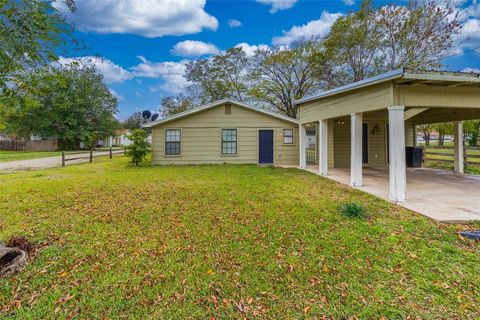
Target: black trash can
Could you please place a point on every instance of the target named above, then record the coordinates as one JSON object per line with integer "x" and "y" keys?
{"x": 414, "y": 157}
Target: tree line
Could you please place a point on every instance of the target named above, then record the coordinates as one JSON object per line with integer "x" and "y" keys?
{"x": 72, "y": 103}
{"x": 40, "y": 97}
{"x": 359, "y": 45}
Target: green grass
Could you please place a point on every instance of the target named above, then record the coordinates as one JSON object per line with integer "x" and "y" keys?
{"x": 197, "y": 242}
{"x": 25, "y": 155}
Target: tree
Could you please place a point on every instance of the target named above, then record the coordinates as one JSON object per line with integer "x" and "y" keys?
{"x": 31, "y": 32}
{"x": 418, "y": 35}
{"x": 281, "y": 76}
{"x": 352, "y": 46}
{"x": 471, "y": 130}
{"x": 369, "y": 42}
{"x": 134, "y": 121}
{"x": 68, "y": 103}
{"x": 139, "y": 148}
{"x": 174, "y": 105}
{"x": 443, "y": 129}
{"x": 219, "y": 77}
{"x": 426, "y": 130}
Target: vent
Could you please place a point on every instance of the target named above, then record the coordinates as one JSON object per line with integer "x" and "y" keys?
{"x": 228, "y": 109}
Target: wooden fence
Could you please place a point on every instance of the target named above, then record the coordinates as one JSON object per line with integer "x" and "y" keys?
{"x": 22, "y": 145}
{"x": 90, "y": 154}
{"x": 445, "y": 155}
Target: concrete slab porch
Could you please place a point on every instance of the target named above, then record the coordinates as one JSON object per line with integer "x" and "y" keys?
{"x": 438, "y": 194}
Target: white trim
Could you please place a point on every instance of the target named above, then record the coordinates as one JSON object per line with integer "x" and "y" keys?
{"x": 356, "y": 141}
{"x": 397, "y": 166}
{"x": 216, "y": 104}
{"x": 396, "y": 108}
{"x": 165, "y": 143}
{"x": 323, "y": 147}
{"x": 459, "y": 164}
{"x": 302, "y": 138}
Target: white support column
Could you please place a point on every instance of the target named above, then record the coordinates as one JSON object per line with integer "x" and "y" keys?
{"x": 398, "y": 170}
{"x": 302, "y": 145}
{"x": 458, "y": 147}
{"x": 323, "y": 147}
{"x": 356, "y": 150}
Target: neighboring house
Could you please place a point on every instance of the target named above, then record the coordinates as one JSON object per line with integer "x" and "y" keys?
{"x": 225, "y": 131}
{"x": 118, "y": 139}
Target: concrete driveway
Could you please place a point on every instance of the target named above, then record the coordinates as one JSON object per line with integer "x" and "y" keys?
{"x": 42, "y": 163}
{"x": 437, "y": 194}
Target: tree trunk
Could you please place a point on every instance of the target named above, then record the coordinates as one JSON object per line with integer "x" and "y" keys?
{"x": 441, "y": 138}
{"x": 426, "y": 137}
{"x": 11, "y": 260}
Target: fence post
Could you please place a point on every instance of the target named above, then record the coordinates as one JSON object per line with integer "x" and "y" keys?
{"x": 63, "y": 158}
{"x": 125, "y": 151}
{"x": 424, "y": 156}
{"x": 110, "y": 152}
{"x": 91, "y": 155}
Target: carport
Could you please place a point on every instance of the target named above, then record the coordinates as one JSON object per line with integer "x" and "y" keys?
{"x": 369, "y": 123}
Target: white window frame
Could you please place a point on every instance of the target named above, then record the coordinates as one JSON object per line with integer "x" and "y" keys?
{"x": 236, "y": 142}
{"x": 292, "y": 136}
{"x": 180, "y": 142}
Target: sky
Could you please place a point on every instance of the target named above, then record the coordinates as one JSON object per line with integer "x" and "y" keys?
{"x": 141, "y": 46}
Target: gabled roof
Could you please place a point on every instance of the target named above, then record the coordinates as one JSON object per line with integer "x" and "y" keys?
{"x": 405, "y": 76}
{"x": 216, "y": 104}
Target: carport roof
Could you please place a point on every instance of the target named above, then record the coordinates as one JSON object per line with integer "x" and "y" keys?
{"x": 404, "y": 76}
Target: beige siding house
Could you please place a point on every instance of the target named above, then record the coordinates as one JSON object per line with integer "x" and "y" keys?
{"x": 225, "y": 131}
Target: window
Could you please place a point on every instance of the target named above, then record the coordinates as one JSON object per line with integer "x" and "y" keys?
{"x": 229, "y": 141}
{"x": 288, "y": 136}
{"x": 172, "y": 142}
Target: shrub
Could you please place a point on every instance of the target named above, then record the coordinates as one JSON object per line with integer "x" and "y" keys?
{"x": 140, "y": 147}
{"x": 352, "y": 210}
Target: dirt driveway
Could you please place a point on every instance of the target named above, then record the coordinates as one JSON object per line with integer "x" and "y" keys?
{"x": 42, "y": 163}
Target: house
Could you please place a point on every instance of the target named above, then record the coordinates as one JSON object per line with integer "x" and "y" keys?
{"x": 225, "y": 131}
{"x": 365, "y": 127}
{"x": 118, "y": 139}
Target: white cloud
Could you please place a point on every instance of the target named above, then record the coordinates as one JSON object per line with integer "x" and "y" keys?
{"x": 349, "y": 2}
{"x": 111, "y": 72}
{"x": 250, "y": 49}
{"x": 172, "y": 74}
{"x": 474, "y": 70}
{"x": 190, "y": 48}
{"x": 234, "y": 23}
{"x": 148, "y": 18}
{"x": 117, "y": 95}
{"x": 469, "y": 37}
{"x": 277, "y": 5}
{"x": 314, "y": 28}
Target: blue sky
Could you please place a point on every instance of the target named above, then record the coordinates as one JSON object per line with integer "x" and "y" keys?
{"x": 144, "y": 44}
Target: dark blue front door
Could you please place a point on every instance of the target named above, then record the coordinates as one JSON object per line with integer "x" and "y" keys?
{"x": 265, "y": 146}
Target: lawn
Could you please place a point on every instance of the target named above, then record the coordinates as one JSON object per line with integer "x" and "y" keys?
{"x": 25, "y": 155}
{"x": 217, "y": 242}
